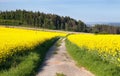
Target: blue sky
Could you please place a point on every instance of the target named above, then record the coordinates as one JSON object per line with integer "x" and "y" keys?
{"x": 85, "y": 10}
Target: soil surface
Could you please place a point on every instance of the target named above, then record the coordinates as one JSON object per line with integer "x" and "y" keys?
{"x": 58, "y": 61}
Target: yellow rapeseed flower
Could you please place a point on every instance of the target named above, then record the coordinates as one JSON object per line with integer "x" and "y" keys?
{"x": 13, "y": 39}
{"x": 107, "y": 44}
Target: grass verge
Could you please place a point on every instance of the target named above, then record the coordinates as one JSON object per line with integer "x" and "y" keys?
{"x": 60, "y": 74}
{"x": 92, "y": 61}
{"x": 28, "y": 64}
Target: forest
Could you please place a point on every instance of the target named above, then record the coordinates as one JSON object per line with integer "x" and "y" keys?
{"x": 52, "y": 21}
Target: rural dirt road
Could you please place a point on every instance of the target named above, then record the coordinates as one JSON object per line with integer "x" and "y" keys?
{"x": 58, "y": 61}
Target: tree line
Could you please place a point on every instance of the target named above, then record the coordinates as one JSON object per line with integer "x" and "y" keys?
{"x": 42, "y": 20}
{"x": 52, "y": 21}
{"x": 105, "y": 29}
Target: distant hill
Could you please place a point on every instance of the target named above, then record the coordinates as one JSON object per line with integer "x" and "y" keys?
{"x": 106, "y": 23}
{"x": 55, "y": 22}
{"x": 114, "y": 24}
{"x": 41, "y": 20}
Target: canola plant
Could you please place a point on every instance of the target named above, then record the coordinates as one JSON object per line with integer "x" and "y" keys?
{"x": 108, "y": 46}
{"x": 13, "y": 40}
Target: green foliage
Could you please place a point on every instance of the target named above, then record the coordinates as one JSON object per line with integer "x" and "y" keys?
{"x": 10, "y": 22}
{"x": 92, "y": 61}
{"x": 37, "y": 19}
{"x": 52, "y": 21}
{"x": 27, "y": 64}
{"x": 105, "y": 29}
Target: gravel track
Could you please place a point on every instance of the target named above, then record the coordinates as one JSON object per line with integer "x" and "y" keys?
{"x": 58, "y": 61}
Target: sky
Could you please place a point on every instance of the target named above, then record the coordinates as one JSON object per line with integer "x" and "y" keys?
{"x": 85, "y": 10}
